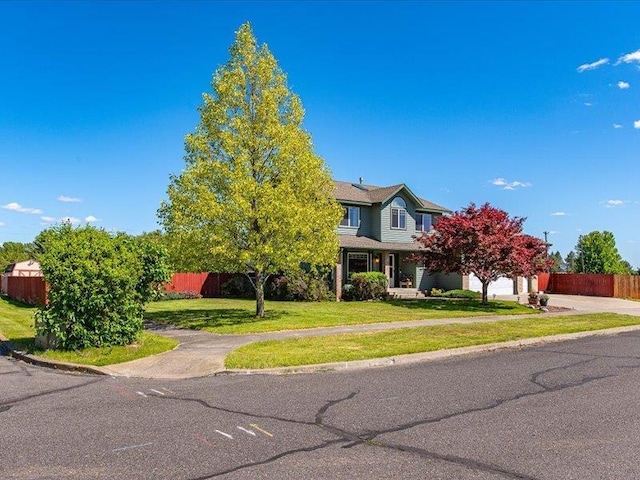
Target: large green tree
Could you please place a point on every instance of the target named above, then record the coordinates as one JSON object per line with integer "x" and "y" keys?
{"x": 12, "y": 252}
{"x": 254, "y": 198}
{"x": 596, "y": 252}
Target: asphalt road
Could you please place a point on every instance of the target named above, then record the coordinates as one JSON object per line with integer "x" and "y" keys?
{"x": 557, "y": 411}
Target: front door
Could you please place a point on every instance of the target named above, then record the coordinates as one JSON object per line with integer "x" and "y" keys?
{"x": 392, "y": 270}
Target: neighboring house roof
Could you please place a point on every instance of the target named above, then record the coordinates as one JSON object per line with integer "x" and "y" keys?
{"x": 351, "y": 241}
{"x": 357, "y": 193}
{"x": 18, "y": 268}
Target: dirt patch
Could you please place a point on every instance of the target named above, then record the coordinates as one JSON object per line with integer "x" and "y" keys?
{"x": 554, "y": 309}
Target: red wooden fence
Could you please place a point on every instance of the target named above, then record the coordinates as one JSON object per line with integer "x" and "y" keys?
{"x": 543, "y": 282}
{"x": 31, "y": 290}
{"x": 209, "y": 285}
{"x": 619, "y": 286}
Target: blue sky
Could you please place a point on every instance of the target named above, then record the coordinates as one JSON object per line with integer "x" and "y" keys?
{"x": 533, "y": 107}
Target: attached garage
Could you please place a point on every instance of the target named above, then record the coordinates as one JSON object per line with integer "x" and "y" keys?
{"x": 502, "y": 286}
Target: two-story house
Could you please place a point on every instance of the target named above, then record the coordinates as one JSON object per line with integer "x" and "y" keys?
{"x": 377, "y": 234}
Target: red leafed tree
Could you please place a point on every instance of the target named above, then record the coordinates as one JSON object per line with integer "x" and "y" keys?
{"x": 484, "y": 241}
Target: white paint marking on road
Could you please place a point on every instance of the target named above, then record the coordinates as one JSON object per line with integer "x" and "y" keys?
{"x": 224, "y": 434}
{"x": 141, "y": 393}
{"x": 247, "y": 431}
{"x": 167, "y": 390}
{"x": 157, "y": 391}
{"x": 253, "y": 425}
{"x": 132, "y": 446}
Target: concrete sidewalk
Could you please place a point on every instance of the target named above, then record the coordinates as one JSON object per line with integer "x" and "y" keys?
{"x": 202, "y": 353}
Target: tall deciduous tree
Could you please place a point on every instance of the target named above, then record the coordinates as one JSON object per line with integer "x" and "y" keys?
{"x": 484, "y": 241}
{"x": 596, "y": 252}
{"x": 253, "y": 198}
{"x": 12, "y": 252}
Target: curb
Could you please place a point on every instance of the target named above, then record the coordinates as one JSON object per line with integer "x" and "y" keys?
{"x": 412, "y": 358}
{"x": 6, "y": 346}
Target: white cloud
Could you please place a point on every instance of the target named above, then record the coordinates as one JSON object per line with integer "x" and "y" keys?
{"x": 588, "y": 104}
{"x": 592, "y": 66}
{"x": 48, "y": 219}
{"x": 614, "y": 203}
{"x": 629, "y": 58}
{"x": 16, "y": 207}
{"x": 559, "y": 214}
{"x": 91, "y": 219}
{"x": 617, "y": 125}
{"x": 1, "y": 224}
{"x": 64, "y": 198}
{"x": 622, "y": 85}
{"x": 636, "y": 124}
{"x": 71, "y": 220}
{"x": 507, "y": 185}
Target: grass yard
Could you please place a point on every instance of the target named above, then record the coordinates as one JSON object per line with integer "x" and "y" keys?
{"x": 360, "y": 346}
{"x": 236, "y": 316}
{"x": 16, "y": 324}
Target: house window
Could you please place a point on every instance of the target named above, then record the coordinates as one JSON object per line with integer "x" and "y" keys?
{"x": 423, "y": 222}
{"x": 357, "y": 263}
{"x": 351, "y": 217}
{"x": 398, "y": 213}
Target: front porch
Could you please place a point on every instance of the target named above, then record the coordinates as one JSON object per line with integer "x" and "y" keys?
{"x": 405, "y": 278}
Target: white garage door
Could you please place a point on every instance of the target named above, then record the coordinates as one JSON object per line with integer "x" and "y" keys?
{"x": 502, "y": 286}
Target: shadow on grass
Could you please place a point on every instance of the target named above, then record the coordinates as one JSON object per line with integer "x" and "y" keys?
{"x": 22, "y": 344}
{"x": 219, "y": 317}
{"x": 470, "y": 306}
{"x": 16, "y": 303}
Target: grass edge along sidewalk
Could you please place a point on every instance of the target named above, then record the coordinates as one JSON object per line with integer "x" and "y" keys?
{"x": 403, "y": 341}
{"x": 16, "y": 325}
{"x": 237, "y": 316}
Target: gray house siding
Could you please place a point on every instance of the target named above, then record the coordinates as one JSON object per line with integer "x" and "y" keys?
{"x": 365, "y": 223}
{"x": 388, "y": 234}
{"x": 424, "y": 281}
{"x": 375, "y": 222}
{"x": 448, "y": 281}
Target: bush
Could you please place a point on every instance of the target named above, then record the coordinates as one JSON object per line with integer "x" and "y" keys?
{"x": 301, "y": 286}
{"x": 238, "y": 286}
{"x": 435, "y": 292}
{"x": 98, "y": 284}
{"x": 186, "y": 295}
{"x": 366, "y": 286}
{"x": 458, "y": 293}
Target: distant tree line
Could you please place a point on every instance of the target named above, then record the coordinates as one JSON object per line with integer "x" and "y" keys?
{"x": 595, "y": 252}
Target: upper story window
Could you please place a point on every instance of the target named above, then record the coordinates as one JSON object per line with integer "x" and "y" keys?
{"x": 351, "y": 217}
{"x": 423, "y": 222}
{"x": 398, "y": 213}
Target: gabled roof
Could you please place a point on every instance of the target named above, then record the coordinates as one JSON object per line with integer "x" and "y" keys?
{"x": 357, "y": 193}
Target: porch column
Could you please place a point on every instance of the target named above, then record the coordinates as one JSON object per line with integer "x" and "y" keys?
{"x": 338, "y": 277}
{"x": 387, "y": 266}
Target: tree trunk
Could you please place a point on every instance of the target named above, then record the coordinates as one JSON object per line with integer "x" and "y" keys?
{"x": 485, "y": 290}
{"x": 259, "y": 285}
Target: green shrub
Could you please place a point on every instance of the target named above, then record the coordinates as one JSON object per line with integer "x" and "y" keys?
{"x": 239, "y": 286}
{"x": 186, "y": 295}
{"x": 301, "y": 286}
{"x": 435, "y": 292}
{"x": 458, "y": 293}
{"x": 367, "y": 286}
{"x": 98, "y": 284}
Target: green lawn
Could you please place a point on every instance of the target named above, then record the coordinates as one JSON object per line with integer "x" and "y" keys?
{"x": 236, "y": 316}
{"x": 360, "y": 346}
{"x": 16, "y": 324}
